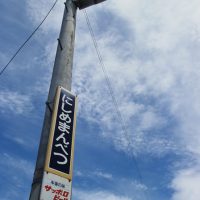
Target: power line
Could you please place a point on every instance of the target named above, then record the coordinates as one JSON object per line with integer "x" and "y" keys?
{"x": 120, "y": 117}
{"x": 30, "y": 36}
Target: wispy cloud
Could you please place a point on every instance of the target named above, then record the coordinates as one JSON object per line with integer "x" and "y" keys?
{"x": 12, "y": 101}
{"x": 20, "y": 165}
{"x": 156, "y": 85}
{"x": 140, "y": 115}
{"x": 90, "y": 195}
{"x": 15, "y": 172}
{"x": 95, "y": 174}
{"x": 22, "y": 141}
{"x": 36, "y": 11}
{"x": 122, "y": 187}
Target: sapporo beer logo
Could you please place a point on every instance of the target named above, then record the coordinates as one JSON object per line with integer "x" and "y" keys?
{"x": 62, "y": 134}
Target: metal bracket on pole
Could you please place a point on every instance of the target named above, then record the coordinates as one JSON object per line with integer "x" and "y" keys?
{"x": 49, "y": 107}
{"x": 60, "y": 45}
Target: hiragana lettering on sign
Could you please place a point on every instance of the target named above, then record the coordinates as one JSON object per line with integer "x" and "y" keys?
{"x": 60, "y": 153}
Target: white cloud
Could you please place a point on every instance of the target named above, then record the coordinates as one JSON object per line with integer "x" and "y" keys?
{"x": 91, "y": 195}
{"x": 122, "y": 189}
{"x": 126, "y": 78}
{"x": 17, "y": 165}
{"x": 169, "y": 32}
{"x": 95, "y": 174}
{"x": 16, "y": 171}
{"x": 11, "y": 101}
{"x": 103, "y": 175}
{"x": 134, "y": 77}
{"x": 186, "y": 184}
{"x": 42, "y": 84}
{"x": 23, "y": 141}
{"x": 126, "y": 187}
{"x": 37, "y": 10}
{"x": 163, "y": 65}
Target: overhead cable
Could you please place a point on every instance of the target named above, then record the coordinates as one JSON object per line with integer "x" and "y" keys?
{"x": 120, "y": 117}
{"x": 30, "y": 36}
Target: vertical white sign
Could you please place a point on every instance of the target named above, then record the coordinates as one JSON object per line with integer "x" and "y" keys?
{"x": 55, "y": 187}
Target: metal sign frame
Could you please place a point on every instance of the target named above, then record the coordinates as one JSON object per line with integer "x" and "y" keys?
{"x": 52, "y": 133}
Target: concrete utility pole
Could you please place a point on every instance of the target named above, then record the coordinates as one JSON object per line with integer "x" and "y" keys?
{"x": 62, "y": 76}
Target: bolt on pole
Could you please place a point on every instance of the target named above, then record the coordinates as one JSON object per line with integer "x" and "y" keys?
{"x": 62, "y": 76}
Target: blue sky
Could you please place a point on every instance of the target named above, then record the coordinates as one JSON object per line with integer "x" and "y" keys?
{"x": 151, "y": 53}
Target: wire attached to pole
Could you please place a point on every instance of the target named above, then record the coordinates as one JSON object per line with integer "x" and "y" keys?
{"x": 121, "y": 119}
{"x": 30, "y": 36}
